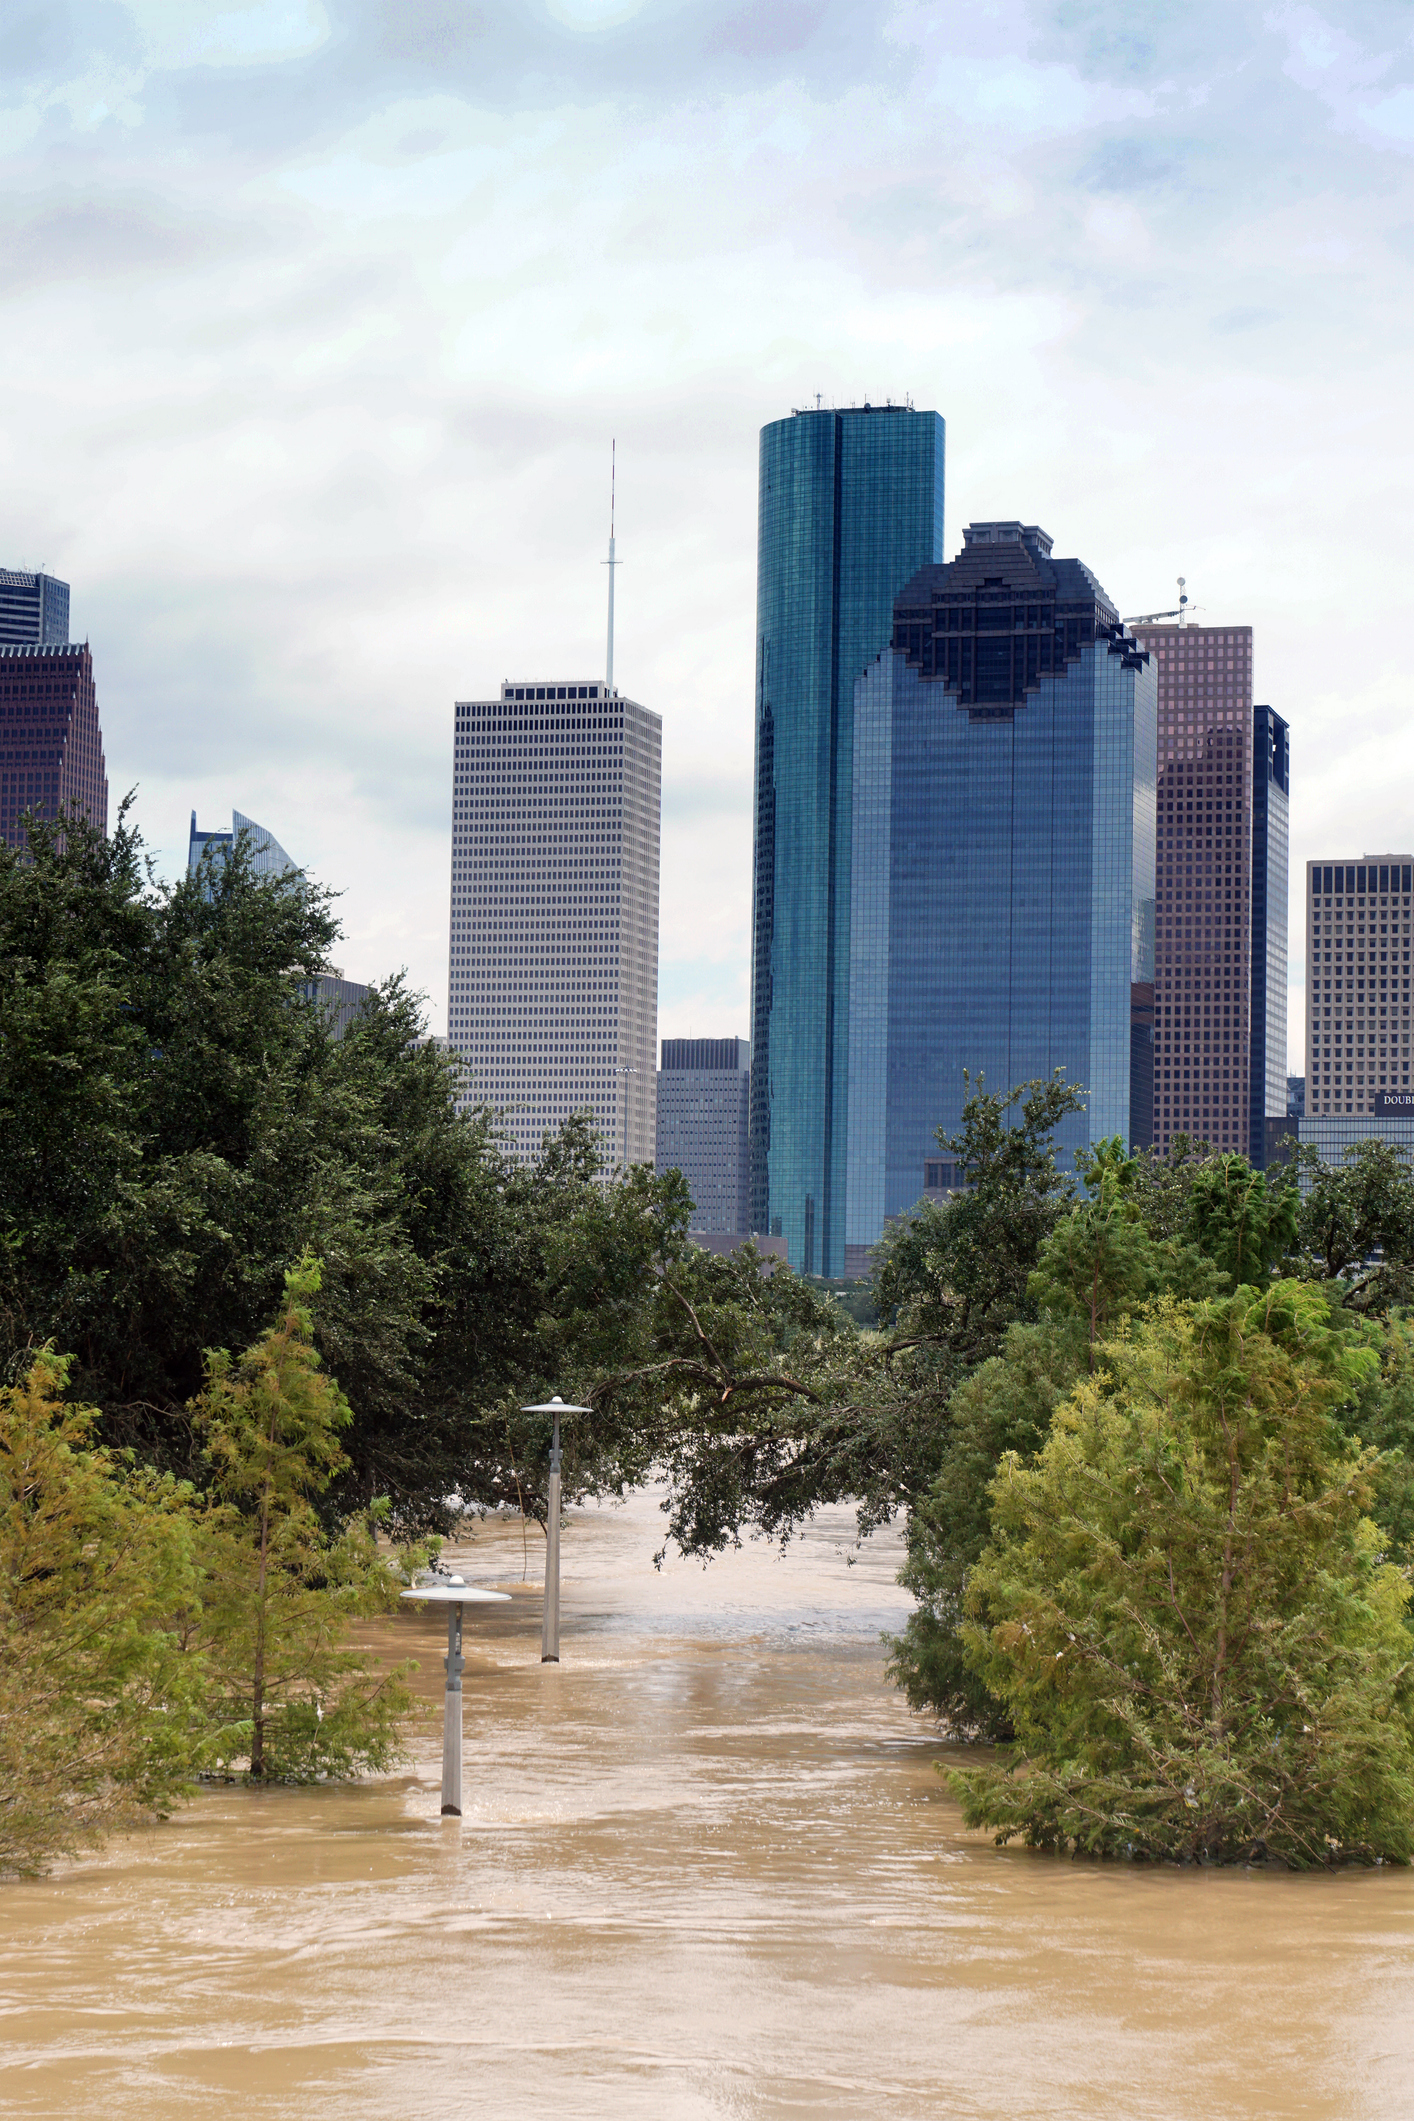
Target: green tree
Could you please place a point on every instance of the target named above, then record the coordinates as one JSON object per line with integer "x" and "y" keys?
{"x": 279, "y": 1592}
{"x": 955, "y": 1273}
{"x": 177, "y": 1126}
{"x": 1187, "y": 1611}
{"x": 1101, "y": 1259}
{"x": 1357, "y": 1223}
{"x": 1244, "y": 1221}
{"x": 1004, "y": 1407}
{"x": 101, "y": 1711}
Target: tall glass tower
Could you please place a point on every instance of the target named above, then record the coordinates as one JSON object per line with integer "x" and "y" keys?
{"x": 850, "y": 507}
{"x": 1003, "y": 878}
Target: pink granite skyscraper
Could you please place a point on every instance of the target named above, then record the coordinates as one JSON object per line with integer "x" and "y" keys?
{"x": 51, "y": 747}
{"x": 1220, "y": 894}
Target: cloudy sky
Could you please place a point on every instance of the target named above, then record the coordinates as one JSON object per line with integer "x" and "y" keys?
{"x": 319, "y": 317}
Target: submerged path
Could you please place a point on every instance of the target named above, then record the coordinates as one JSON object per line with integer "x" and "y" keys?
{"x": 706, "y": 1870}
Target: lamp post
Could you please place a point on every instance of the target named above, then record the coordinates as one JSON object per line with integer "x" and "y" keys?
{"x": 625, "y": 1073}
{"x": 550, "y": 1629}
{"x": 453, "y": 1592}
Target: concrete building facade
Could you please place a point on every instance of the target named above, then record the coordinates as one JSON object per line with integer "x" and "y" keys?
{"x": 51, "y": 746}
{"x": 704, "y": 1110}
{"x": 553, "y": 969}
{"x": 1358, "y": 920}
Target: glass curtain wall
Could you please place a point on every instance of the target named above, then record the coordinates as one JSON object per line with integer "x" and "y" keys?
{"x": 850, "y": 507}
{"x": 1003, "y": 879}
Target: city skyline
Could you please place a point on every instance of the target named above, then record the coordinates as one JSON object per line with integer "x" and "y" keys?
{"x": 312, "y": 373}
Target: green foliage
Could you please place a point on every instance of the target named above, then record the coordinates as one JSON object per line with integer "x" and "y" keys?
{"x": 1187, "y": 1612}
{"x": 177, "y": 1126}
{"x": 1101, "y": 1259}
{"x": 1381, "y": 1414}
{"x": 101, "y": 1712}
{"x": 956, "y": 1272}
{"x": 1357, "y": 1223}
{"x": 1097, "y": 1263}
{"x": 278, "y": 1592}
{"x": 1242, "y": 1220}
{"x": 1003, "y": 1407}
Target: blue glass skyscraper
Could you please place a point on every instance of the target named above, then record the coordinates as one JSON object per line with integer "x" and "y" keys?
{"x": 851, "y": 506}
{"x": 1003, "y": 858}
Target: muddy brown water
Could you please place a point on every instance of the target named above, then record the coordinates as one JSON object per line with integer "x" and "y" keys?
{"x": 706, "y": 1870}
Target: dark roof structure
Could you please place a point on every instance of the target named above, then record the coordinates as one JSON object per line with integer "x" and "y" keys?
{"x": 991, "y": 624}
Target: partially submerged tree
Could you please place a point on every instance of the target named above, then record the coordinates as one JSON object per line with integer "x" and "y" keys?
{"x": 102, "y": 1714}
{"x": 1005, "y": 1406}
{"x": 279, "y": 1593}
{"x": 1187, "y": 1612}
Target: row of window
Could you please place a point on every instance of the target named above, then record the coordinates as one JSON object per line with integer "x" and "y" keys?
{"x": 1353, "y": 880}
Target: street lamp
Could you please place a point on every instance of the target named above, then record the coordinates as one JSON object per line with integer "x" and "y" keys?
{"x": 550, "y": 1630}
{"x": 453, "y": 1592}
{"x": 625, "y": 1073}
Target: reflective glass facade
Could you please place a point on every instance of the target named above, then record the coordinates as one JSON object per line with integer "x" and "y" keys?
{"x": 702, "y": 1128}
{"x": 267, "y": 856}
{"x": 1003, "y": 872}
{"x": 851, "y": 506}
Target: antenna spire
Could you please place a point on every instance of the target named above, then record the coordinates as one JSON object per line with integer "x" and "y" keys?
{"x": 611, "y": 563}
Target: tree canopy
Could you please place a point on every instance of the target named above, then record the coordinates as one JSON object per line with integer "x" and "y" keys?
{"x": 1189, "y": 1613}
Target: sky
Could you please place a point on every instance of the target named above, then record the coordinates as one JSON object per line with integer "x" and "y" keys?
{"x": 320, "y": 316}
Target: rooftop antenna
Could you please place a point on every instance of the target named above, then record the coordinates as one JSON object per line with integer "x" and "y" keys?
{"x": 1183, "y": 611}
{"x": 611, "y": 563}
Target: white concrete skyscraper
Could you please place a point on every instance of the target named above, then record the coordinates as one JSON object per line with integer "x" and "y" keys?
{"x": 553, "y": 976}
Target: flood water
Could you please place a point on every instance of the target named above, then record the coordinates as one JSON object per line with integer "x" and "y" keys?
{"x": 706, "y": 1870}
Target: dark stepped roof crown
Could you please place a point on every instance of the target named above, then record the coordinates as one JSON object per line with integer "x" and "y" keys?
{"x": 991, "y": 624}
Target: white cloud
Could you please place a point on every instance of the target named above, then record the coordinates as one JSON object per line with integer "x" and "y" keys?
{"x": 314, "y": 353}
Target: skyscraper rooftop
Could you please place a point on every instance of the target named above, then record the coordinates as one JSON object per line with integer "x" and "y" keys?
{"x": 33, "y": 607}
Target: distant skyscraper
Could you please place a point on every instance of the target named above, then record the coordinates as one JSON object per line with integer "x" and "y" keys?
{"x": 1271, "y": 863}
{"x": 703, "y": 1113}
{"x": 33, "y": 607}
{"x": 340, "y": 999}
{"x": 1003, "y": 870}
{"x": 553, "y": 976}
{"x": 268, "y": 857}
{"x": 1358, "y": 918}
{"x": 851, "y": 506}
{"x": 1220, "y": 971}
{"x": 51, "y": 747}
